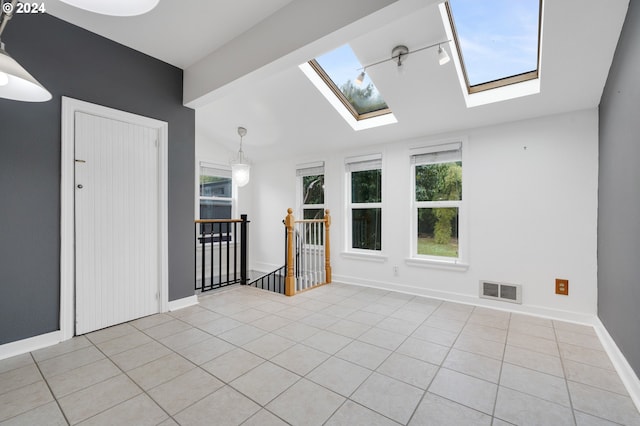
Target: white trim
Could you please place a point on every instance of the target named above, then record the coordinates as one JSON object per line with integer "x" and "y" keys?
{"x": 430, "y": 149}
{"x": 310, "y": 165}
{"x": 67, "y": 212}
{"x": 265, "y": 268}
{"x": 462, "y": 261}
{"x": 627, "y": 374}
{"x": 361, "y": 255}
{"x": 197, "y": 197}
{"x": 185, "y": 302}
{"x": 363, "y": 158}
{"x": 539, "y": 311}
{"x": 437, "y": 264}
{"x": 512, "y": 91}
{"x": 30, "y": 344}
{"x": 375, "y": 161}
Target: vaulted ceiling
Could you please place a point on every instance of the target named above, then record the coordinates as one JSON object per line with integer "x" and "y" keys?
{"x": 241, "y": 62}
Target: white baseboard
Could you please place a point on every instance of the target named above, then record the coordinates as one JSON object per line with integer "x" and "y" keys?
{"x": 539, "y": 311}
{"x": 31, "y": 344}
{"x": 185, "y": 302}
{"x": 626, "y": 373}
{"x": 264, "y": 268}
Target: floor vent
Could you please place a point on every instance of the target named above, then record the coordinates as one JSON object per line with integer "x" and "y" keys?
{"x": 500, "y": 291}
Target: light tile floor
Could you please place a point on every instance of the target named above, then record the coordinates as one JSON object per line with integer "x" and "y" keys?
{"x": 336, "y": 355}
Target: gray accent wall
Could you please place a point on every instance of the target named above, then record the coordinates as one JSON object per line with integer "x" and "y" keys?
{"x": 70, "y": 61}
{"x": 619, "y": 194}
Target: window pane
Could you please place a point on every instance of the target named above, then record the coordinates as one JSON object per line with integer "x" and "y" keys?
{"x": 342, "y": 67}
{"x": 366, "y": 186}
{"x": 313, "y": 214}
{"x": 438, "y": 231}
{"x": 313, "y": 190}
{"x": 498, "y": 38}
{"x": 366, "y": 229}
{"x": 314, "y": 234}
{"x": 439, "y": 182}
{"x": 215, "y": 186}
{"x": 215, "y": 209}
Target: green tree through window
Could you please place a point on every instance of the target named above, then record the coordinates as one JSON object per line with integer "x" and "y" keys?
{"x": 438, "y": 225}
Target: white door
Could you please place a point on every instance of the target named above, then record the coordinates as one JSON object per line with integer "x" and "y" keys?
{"x": 116, "y": 222}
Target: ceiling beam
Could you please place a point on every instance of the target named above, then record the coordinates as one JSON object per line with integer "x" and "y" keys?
{"x": 299, "y": 31}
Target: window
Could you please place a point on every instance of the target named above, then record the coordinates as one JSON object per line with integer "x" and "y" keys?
{"x": 364, "y": 177}
{"x": 216, "y": 200}
{"x": 338, "y": 69}
{"x": 437, "y": 200}
{"x": 310, "y": 196}
{"x": 360, "y": 103}
{"x": 311, "y": 190}
{"x": 498, "y": 41}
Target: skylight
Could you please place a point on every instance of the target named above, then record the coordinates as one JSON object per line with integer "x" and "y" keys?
{"x": 497, "y": 40}
{"x": 339, "y": 69}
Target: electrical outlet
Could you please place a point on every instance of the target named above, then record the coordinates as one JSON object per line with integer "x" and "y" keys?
{"x": 562, "y": 286}
{"x": 395, "y": 271}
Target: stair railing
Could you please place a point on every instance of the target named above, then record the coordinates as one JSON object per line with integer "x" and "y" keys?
{"x": 308, "y": 254}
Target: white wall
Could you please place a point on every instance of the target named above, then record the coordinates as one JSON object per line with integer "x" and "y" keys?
{"x": 531, "y": 214}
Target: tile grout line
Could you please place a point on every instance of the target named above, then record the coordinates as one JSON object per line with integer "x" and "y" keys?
{"x": 502, "y": 361}
{"x": 64, "y": 415}
{"x": 143, "y": 392}
{"x": 564, "y": 374}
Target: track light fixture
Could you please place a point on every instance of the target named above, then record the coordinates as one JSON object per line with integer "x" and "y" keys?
{"x": 399, "y": 55}
{"x": 443, "y": 56}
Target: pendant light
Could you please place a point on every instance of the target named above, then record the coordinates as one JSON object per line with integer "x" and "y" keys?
{"x": 115, "y": 7}
{"x": 15, "y": 82}
{"x": 240, "y": 168}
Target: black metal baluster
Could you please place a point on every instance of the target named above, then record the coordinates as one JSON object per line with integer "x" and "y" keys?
{"x": 235, "y": 252}
{"x": 243, "y": 250}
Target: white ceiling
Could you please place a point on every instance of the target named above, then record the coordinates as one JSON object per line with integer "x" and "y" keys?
{"x": 284, "y": 112}
{"x": 179, "y": 32}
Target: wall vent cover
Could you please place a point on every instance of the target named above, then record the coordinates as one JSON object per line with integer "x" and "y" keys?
{"x": 501, "y": 291}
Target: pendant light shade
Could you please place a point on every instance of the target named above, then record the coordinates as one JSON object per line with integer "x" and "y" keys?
{"x": 17, "y": 84}
{"x": 115, "y": 7}
{"x": 240, "y": 168}
{"x": 241, "y": 173}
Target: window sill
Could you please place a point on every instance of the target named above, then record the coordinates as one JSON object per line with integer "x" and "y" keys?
{"x": 364, "y": 256}
{"x": 437, "y": 264}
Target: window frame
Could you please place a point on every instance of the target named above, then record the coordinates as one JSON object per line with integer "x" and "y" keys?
{"x": 501, "y": 82}
{"x": 309, "y": 169}
{"x": 226, "y": 169}
{"x": 342, "y": 98}
{"x": 423, "y": 259}
{"x": 350, "y": 205}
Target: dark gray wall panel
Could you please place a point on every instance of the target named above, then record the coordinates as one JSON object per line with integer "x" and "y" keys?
{"x": 619, "y": 194}
{"x": 72, "y": 62}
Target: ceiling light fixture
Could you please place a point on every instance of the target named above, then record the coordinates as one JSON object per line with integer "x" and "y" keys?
{"x": 399, "y": 55}
{"x": 15, "y": 82}
{"x": 115, "y": 7}
{"x": 443, "y": 56}
{"x": 240, "y": 168}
